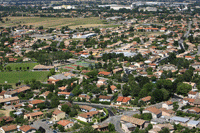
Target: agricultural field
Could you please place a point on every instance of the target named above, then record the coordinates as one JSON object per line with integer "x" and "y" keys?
{"x": 53, "y": 22}
{"x": 18, "y": 65}
{"x": 15, "y": 76}
{"x": 78, "y": 63}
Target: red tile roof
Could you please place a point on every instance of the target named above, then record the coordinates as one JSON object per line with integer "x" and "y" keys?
{"x": 64, "y": 122}
{"x": 26, "y": 128}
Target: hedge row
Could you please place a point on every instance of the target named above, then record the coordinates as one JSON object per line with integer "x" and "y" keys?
{"x": 106, "y": 116}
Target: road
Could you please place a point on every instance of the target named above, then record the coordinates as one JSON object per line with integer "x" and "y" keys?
{"x": 37, "y": 124}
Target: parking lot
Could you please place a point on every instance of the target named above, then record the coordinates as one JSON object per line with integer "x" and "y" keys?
{"x": 42, "y": 124}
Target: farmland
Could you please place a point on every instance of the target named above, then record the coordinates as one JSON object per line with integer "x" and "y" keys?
{"x": 14, "y": 76}
{"x": 48, "y": 22}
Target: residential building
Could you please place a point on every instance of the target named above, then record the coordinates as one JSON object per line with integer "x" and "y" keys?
{"x": 156, "y": 113}
{"x": 8, "y": 129}
{"x": 123, "y": 100}
{"x": 58, "y": 114}
{"x": 105, "y": 98}
{"x": 65, "y": 123}
{"x": 85, "y": 108}
{"x": 32, "y": 116}
{"x": 27, "y": 129}
{"x": 87, "y": 117}
{"x": 66, "y": 94}
{"x": 168, "y": 105}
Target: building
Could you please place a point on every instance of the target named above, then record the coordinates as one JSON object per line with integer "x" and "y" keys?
{"x": 35, "y": 102}
{"x": 159, "y": 127}
{"x": 67, "y": 103}
{"x": 105, "y": 98}
{"x": 194, "y": 110}
{"x": 135, "y": 121}
{"x": 193, "y": 94}
{"x": 82, "y": 96}
{"x": 193, "y": 123}
{"x": 87, "y": 117}
{"x": 123, "y": 100}
{"x": 167, "y": 105}
{"x": 42, "y": 68}
{"x": 66, "y": 94}
{"x": 101, "y": 127}
{"x": 58, "y": 114}
{"x": 128, "y": 127}
{"x": 177, "y": 120}
{"x": 8, "y": 129}
{"x": 10, "y": 100}
{"x": 156, "y": 113}
{"x": 27, "y": 129}
{"x": 103, "y": 73}
{"x": 146, "y": 99}
{"x": 85, "y": 108}
{"x": 65, "y": 123}
{"x": 34, "y": 115}
{"x": 45, "y": 94}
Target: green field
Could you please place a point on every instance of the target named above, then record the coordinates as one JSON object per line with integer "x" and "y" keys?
{"x": 51, "y": 22}
{"x": 14, "y": 65}
{"x": 13, "y": 77}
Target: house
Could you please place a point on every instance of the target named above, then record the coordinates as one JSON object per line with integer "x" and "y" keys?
{"x": 34, "y": 115}
{"x": 6, "y": 119}
{"x": 8, "y": 129}
{"x": 193, "y": 123}
{"x": 194, "y": 110}
{"x": 58, "y": 114}
{"x": 10, "y": 93}
{"x": 87, "y": 117}
{"x": 193, "y": 94}
{"x": 105, "y": 98}
{"x": 192, "y": 84}
{"x": 113, "y": 89}
{"x": 85, "y": 108}
{"x": 168, "y": 105}
{"x": 35, "y": 102}
{"x": 67, "y": 103}
{"x": 146, "y": 99}
{"x": 101, "y": 127}
{"x": 123, "y": 100}
{"x": 197, "y": 102}
{"x": 65, "y": 123}
{"x": 27, "y": 129}
{"x": 103, "y": 73}
{"x": 167, "y": 112}
{"x": 42, "y": 68}
{"x": 135, "y": 121}
{"x": 156, "y": 113}
{"x": 189, "y": 101}
{"x": 177, "y": 120}
{"x": 10, "y": 100}
{"x": 45, "y": 94}
{"x": 66, "y": 94}
{"x": 128, "y": 127}
{"x": 159, "y": 127}
{"x": 101, "y": 82}
{"x": 82, "y": 96}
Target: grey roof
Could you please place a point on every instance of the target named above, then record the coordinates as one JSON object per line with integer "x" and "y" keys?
{"x": 59, "y": 76}
{"x": 180, "y": 119}
{"x": 129, "y": 125}
{"x": 193, "y": 122}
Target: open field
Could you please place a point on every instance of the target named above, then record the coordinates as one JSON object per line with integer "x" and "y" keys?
{"x": 5, "y": 112}
{"x": 13, "y": 77}
{"x": 48, "y": 22}
{"x": 14, "y": 65}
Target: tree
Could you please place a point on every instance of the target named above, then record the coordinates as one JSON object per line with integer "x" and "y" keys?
{"x": 164, "y": 130}
{"x": 157, "y": 96}
{"x": 109, "y": 89}
{"x": 125, "y": 78}
{"x": 65, "y": 108}
{"x": 8, "y": 68}
{"x": 183, "y": 89}
{"x": 111, "y": 127}
{"x": 54, "y": 101}
{"x": 61, "y": 128}
{"x": 175, "y": 106}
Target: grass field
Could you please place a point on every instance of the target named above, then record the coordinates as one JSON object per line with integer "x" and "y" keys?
{"x": 14, "y": 65}
{"x": 13, "y": 77}
{"x": 53, "y": 22}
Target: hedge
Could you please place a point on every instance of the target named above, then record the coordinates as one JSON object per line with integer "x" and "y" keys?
{"x": 85, "y": 123}
{"x": 106, "y": 116}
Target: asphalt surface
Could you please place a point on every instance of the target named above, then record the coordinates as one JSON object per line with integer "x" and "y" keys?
{"x": 37, "y": 124}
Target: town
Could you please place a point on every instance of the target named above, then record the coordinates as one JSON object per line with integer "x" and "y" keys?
{"x": 99, "y": 67}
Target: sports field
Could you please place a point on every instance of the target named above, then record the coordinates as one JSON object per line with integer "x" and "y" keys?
{"x": 14, "y": 76}
{"x": 18, "y": 65}
{"x": 50, "y": 22}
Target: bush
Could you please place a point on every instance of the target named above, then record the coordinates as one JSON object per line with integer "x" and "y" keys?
{"x": 106, "y": 116}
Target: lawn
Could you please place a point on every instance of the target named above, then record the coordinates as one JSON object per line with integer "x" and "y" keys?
{"x": 14, "y": 77}
{"x": 50, "y": 22}
{"x": 14, "y": 65}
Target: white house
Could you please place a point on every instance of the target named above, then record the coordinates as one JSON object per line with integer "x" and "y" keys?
{"x": 105, "y": 98}
{"x": 65, "y": 123}
{"x": 87, "y": 117}
{"x": 193, "y": 94}
{"x": 167, "y": 105}
{"x": 86, "y": 108}
{"x": 156, "y": 113}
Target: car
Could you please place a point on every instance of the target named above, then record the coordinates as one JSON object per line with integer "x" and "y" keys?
{"x": 43, "y": 119}
{"x": 54, "y": 131}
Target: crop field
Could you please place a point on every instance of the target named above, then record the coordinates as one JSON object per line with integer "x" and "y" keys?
{"x": 18, "y": 65}
{"x": 15, "y": 76}
{"x": 50, "y": 22}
